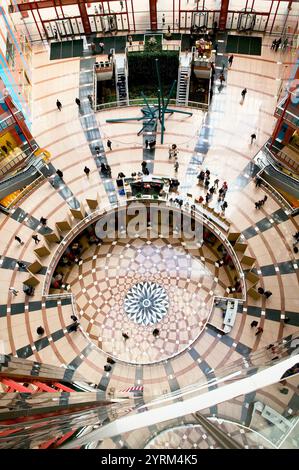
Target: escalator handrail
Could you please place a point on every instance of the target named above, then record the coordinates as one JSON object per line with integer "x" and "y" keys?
{"x": 293, "y": 180}
{"x": 32, "y": 162}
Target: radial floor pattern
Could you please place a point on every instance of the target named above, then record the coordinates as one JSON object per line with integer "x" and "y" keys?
{"x": 127, "y": 273}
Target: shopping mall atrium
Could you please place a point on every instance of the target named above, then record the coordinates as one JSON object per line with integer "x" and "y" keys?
{"x": 149, "y": 224}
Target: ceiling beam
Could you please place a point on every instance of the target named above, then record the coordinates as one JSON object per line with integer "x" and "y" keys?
{"x": 37, "y": 5}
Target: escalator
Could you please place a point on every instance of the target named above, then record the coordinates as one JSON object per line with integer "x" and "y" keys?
{"x": 21, "y": 179}
{"x": 271, "y": 173}
{"x": 285, "y": 184}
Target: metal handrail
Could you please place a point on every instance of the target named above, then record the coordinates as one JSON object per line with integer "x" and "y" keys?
{"x": 284, "y": 156}
{"x": 26, "y": 191}
{"x": 272, "y": 157}
{"x": 261, "y": 358}
{"x": 140, "y": 48}
{"x": 139, "y": 102}
{"x": 31, "y": 161}
{"x": 21, "y": 156}
{"x": 281, "y": 200}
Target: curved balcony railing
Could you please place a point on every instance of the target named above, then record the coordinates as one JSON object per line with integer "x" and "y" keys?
{"x": 153, "y": 101}
{"x": 97, "y": 214}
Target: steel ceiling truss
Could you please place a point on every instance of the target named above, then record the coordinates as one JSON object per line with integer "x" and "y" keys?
{"x": 35, "y": 7}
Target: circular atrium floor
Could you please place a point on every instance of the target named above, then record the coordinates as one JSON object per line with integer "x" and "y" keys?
{"x": 117, "y": 278}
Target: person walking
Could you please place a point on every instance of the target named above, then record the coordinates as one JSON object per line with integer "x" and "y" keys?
{"x": 74, "y": 326}
{"x": 243, "y": 93}
{"x": 267, "y": 294}
{"x": 143, "y": 166}
{"x": 176, "y": 166}
{"x": 216, "y": 182}
{"x": 230, "y": 60}
{"x": 78, "y": 102}
{"x": 59, "y": 105}
{"x": 74, "y": 318}
{"x": 40, "y": 330}
{"x": 101, "y": 46}
{"x": 259, "y": 331}
{"x": 163, "y": 19}
{"x": 156, "y": 332}
{"x": 19, "y": 240}
{"x": 273, "y": 44}
{"x": 277, "y": 44}
{"x": 224, "y": 206}
{"x": 201, "y": 177}
{"x": 36, "y": 239}
{"x": 21, "y": 265}
{"x": 264, "y": 200}
{"x": 9, "y": 145}
{"x": 14, "y": 291}
{"x": 225, "y": 187}
{"x": 258, "y": 182}
{"x": 253, "y": 137}
{"x": 253, "y": 324}
{"x": 125, "y": 336}
{"x": 109, "y": 144}
{"x": 43, "y": 221}
{"x": 221, "y": 78}
{"x": 121, "y": 4}
{"x": 110, "y": 360}
{"x": 146, "y": 143}
{"x": 86, "y": 171}
{"x": 258, "y": 204}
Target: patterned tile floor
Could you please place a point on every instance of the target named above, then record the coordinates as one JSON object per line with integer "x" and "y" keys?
{"x": 110, "y": 270}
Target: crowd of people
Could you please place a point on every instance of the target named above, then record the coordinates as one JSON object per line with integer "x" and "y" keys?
{"x": 279, "y": 43}
{"x": 211, "y": 190}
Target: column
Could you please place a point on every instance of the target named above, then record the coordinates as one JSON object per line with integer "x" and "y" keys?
{"x": 153, "y": 14}
{"x": 84, "y": 17}
{"x": 223, "y": 14}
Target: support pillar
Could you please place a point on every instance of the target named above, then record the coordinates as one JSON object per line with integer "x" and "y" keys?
{"x": 20, "y": 122}
{"x": 84, "y": 16}
{"x": 153, "y": 14}
{"x": 223, "y": 14}
{"x": 280, "y": 121}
